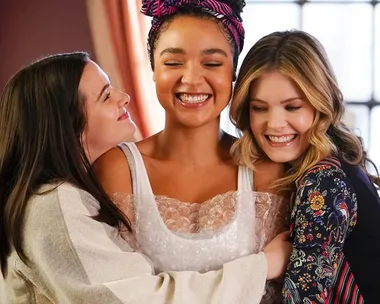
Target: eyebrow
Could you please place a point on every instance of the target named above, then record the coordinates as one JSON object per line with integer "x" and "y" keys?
{"x": 172, "y": 51}
{"x": 107, "y": 85}
{"x": 204, "y": 52}
{"x": 214, "y": 51}
{"x": 283, "y": 101}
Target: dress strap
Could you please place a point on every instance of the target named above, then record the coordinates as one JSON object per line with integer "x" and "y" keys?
{"x": 140, "y": 179}
{"x": 245, "y": 179}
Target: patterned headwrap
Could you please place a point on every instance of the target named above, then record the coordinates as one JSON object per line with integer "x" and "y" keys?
{"x": 222, "y": 11}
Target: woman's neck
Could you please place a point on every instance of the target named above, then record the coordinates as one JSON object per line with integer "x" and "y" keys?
{"x": 202, "y": 145}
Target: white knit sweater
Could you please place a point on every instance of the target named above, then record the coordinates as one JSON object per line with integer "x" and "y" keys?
{"x": 76, "y": 259}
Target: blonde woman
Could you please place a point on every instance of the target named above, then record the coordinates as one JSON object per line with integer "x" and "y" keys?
{"x": 288, "y": 105}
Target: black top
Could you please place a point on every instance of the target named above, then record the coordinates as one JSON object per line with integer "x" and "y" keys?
{"x": 362, "y": 247}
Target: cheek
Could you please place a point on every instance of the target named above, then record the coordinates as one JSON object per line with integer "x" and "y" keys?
{"x": 222, "y": 78}
{"x": 161, "y": 76}
{"x": 164, "y": 81}
{"x": 256, "y": 123}
{"x": 102, "y": 117}
{"x": 257, "y": 130}
{"x": 305, "y": 122}
{"x": 225, "y": 86}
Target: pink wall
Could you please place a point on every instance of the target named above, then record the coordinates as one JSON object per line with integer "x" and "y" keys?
{"x": 31, "y": 29}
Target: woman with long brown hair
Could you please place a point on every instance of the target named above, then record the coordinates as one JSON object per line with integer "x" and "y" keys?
{"x": 62, "y": 238}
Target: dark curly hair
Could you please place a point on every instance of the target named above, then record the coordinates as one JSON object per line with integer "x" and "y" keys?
{"x": 236, "y": 5}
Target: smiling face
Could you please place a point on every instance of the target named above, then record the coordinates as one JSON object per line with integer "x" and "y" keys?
{"x": 280, "y": 117}
{"x": 193, "y": 68}
{"x": 108, "y": 121}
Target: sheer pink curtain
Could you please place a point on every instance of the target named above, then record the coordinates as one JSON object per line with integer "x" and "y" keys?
{"x": 119, "y": 36}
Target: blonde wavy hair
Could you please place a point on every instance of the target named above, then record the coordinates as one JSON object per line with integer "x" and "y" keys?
{"x": 300, "y": 57}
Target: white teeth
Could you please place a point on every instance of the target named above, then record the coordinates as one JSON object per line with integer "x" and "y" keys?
{"x": 192, "y": 98}
{"x": 281, "y": 139}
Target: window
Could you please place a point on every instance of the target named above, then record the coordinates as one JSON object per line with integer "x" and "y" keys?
{"x": 350, "y": 32}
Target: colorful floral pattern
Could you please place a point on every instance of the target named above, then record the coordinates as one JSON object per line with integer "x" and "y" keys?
{"x": 323, "y": 216}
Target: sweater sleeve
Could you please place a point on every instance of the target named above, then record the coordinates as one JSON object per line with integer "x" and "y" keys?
{"x": 324, "y": 214}
{"x": 76, "y": 259}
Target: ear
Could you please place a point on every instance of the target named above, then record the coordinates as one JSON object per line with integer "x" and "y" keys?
{"x": 83, "y": 138}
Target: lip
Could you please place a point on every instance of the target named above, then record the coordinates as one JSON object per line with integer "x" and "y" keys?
{"x": 193, "y": 105}
{"x": 125, "y": 114}
{"x": 279, "y": 135}
{"x": 280, "y": 144}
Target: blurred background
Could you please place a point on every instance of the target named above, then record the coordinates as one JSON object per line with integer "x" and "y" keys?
{"x": 114, "y": 33}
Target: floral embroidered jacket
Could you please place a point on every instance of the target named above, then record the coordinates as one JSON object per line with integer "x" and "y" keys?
{"x": 323, "y": 217}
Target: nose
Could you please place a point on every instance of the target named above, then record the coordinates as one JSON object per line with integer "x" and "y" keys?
{"x": 192, "y": 75}
{"x": 122, "y": 99}
{"x": 276, "y": 119}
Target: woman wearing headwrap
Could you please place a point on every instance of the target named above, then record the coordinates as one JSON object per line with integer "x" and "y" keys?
{"x": 191, "y": 207}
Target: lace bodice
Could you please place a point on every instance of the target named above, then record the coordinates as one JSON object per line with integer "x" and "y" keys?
{"x": 188, "y": 219}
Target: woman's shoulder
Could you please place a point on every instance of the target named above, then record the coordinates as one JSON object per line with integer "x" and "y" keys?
{"x": 327, "y": 167}
{"x": 113, "y": 171}
{"x": 49, "y": 196}
{"x": 113, "y": 158}
{"x": 328, "y": 163}
{"x": 324, "y": 190}
{"x": 325, "y": 175}
{"x": 52, "y": 202}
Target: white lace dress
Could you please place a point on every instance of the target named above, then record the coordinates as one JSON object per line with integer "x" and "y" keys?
{"x": 180, "y": 236}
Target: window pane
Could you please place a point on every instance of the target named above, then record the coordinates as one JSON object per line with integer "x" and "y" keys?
{"x": 347, "y": 37}
{"x": 377, "y": 53}
{"x": 356, "y": 118}
{"x": 226, "y": 124}
{"x": 159, "y": 114}
{"x": 262, "y": 19}
{"x": 374, "y": 149}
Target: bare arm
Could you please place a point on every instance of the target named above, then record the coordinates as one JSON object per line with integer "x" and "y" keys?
{"x": 113, "y": 172}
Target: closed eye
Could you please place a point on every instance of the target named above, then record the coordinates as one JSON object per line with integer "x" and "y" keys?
{"x": 258, "y": 109}
{"x": 172, "y": 63}
{"x": 292, "y": 108}
{"x": 213, "y": 64}
{"x": 108, "y": 95}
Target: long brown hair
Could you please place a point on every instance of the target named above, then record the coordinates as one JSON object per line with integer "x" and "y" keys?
{"x": 42, "y": 118}
{"x": 300, "y": 57}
